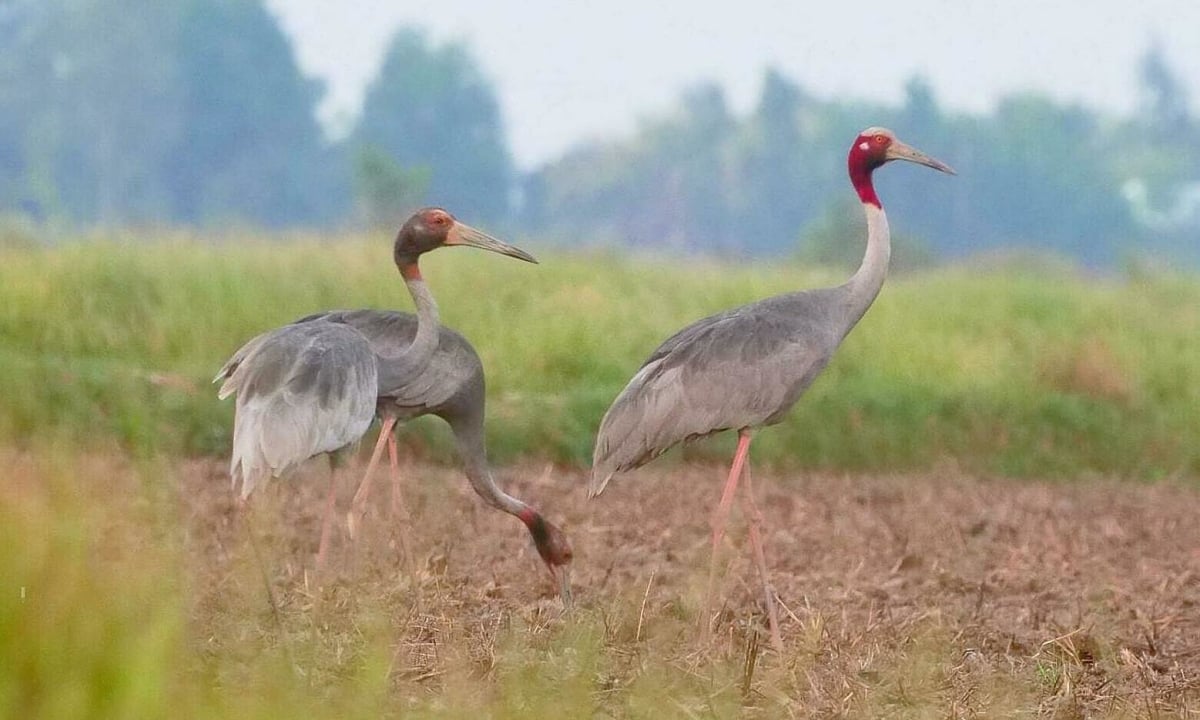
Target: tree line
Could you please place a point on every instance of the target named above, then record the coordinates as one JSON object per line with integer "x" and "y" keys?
{"x": 119, "y": 112}
{"x": 194, "y": 111}
{"x": 1033, "y": 173}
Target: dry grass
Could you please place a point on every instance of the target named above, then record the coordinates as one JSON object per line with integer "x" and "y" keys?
{"x": 936, "y": 595}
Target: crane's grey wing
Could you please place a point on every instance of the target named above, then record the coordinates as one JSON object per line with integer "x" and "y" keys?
{"x": 742, "y": 368}
{"x": 453, "y": 367}
{"x": 302, "y": 389}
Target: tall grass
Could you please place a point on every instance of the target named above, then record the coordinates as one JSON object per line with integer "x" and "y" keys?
{"x": 1013, "y": 370}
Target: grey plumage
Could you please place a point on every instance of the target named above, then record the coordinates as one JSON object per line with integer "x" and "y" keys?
{"x": 452, "y": 377}
{"x": 302, "y": 390}
{"x": 746, "y": 367}
{"x": 451, "y": 386}
{"x": 315, "y": 385}
{"x": 770, "y": 350}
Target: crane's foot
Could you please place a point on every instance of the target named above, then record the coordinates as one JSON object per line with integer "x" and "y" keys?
{"x": 719, "y": 519}
{"x": 358, "y": 506}
{"x": 756, "y": 522}
{"x": 326, "y": 527}
{"x": 401, "y": 519}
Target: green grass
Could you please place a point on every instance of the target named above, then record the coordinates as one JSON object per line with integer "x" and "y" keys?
{"x": 1012, "y": 370}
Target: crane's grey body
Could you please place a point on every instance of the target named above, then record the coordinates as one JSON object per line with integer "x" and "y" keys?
{"x": 741, "y": 368}
{"x": 450, "y": 385}
{"x": 302, "y": 390}
{"x": 315, "y": 385}
{"x": 446, "y": 385}
{"x": 745, "y": 368}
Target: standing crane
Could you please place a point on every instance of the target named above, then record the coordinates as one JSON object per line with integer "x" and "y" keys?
{"x": 745, "y": 368}
{"x": 315, "y": 386}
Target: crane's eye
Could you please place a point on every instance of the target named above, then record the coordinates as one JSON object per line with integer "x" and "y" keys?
{"x": 880, "y": 139}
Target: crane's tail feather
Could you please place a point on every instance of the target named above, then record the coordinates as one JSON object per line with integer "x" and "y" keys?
{"x": 598, "y": 482}
{"x": 301, "y": 390}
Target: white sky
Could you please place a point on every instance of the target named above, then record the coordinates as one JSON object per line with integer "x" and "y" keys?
{"x": 567, "y": 71}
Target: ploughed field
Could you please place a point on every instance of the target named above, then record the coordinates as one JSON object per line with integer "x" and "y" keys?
{"x": 931, "y": 594}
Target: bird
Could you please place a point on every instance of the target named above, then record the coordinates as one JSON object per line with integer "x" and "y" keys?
{"x": 316, "y": 385}
{"x": 744, "y": 368}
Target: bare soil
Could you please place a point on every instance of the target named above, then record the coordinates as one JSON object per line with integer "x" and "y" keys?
{"x": 970, "y": 596}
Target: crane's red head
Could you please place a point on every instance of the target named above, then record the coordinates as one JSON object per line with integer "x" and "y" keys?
{"x": 874, "y": 147}
{"x": 553, "y": 546}
{"x": 432, "y": 228}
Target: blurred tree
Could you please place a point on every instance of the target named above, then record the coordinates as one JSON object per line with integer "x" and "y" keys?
{"x": 17, "y": 18}
{"x": 430, "y": 107}
{"x": 1164, "y": 141}
{"x": 776, "y": 192}
{"x": 1160, "y": 163}
{"x": 385, "y": 192}
{"x": 251, "y": 148}
{"x": 95, "y": 109}
{"x": 1164, "y": 99}
{"x": 694, "y": 152}
{"x": 930, "y": 207}
{"x": 1042, "y": 180}
{"x": 837, "y": 239}
{"x": 189, "y": 110}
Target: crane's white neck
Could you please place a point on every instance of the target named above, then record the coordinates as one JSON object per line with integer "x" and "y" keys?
{"x": 865, "y": 284}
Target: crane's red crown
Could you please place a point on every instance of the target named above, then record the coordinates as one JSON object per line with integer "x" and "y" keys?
{"x": 431, "y": 228}
{"x": 868, "y": 152}
{"x": 425, "y": 230}
{"x": 874, "y": 147}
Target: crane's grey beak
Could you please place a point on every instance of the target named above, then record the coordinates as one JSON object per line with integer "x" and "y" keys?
{"x": 564, "y": 585}
{"x": 463, "y": 234}
{"x": 899, "y": 151}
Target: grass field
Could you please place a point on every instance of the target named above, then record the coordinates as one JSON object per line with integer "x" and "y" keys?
{"x": 1017, "y": 370}
{"x": 985, "y": 507}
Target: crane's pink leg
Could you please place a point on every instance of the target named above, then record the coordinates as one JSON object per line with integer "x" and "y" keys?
{"x": 399, "y": 506}
{"x": 358, "y": 507}
{"x": 326, "y": 525}
{"x": 756, "y": 521}
{"x": 721, "y": 516}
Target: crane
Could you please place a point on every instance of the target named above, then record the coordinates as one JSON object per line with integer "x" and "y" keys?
{"x": 745, "y": 368}
{"x": 314, "y": 386}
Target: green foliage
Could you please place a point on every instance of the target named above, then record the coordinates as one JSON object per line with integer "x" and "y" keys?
{"x": 1016, "y": 369}
{"x": 431, "y": 107}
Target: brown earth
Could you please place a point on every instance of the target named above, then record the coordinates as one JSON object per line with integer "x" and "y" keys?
{"x": 970, "y": 596}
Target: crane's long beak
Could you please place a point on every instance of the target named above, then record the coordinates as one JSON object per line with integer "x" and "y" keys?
{"x": 563, "y": 573}
{"x": 899, "y": 151}
{"x": 463, "y": 234}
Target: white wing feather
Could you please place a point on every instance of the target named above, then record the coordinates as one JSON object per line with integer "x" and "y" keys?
{"x": 302, "y": 390}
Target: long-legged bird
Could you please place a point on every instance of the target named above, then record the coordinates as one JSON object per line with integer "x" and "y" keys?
{"x": 315, "y": 386}
{"x": 746, "y": 367}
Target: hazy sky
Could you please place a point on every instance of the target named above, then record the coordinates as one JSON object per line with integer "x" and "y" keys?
{"x": 568, "y": 71}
